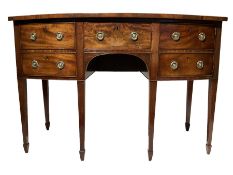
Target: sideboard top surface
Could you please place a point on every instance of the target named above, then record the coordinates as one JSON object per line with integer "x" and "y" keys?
{"x": 117, "y": 15}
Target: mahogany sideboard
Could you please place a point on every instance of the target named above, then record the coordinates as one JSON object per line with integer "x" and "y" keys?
{"x": 73, "y": 46}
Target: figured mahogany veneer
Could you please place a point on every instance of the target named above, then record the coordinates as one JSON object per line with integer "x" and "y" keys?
{"x": 188, "y": 36}
{"x": 161, "y": 46}
{"x": 46, "y": 36}
{"x": 117, "y": 36}
{"x": 47, "y": 65}
{"x": 187, "y": 65}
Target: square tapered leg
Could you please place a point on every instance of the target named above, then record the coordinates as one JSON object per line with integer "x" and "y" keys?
{"x": 45, "y": 87}
{"x": 81, "y": 107}
{"x": 22, "y": 88}
{"x": 211, "y": 109}
{"x": 188, "y": 103}
{"x": 152, "y": 100}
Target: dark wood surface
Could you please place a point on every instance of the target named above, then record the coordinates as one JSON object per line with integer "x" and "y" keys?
{"x": 83, "y": 54}
{"x": 81, "y": 110}
{"x": 154, "y": 57}
{"x": 213, "y": 90}
{"x": 152, "y": 100}
{"x": 45, "y": 88}
{"x": 211, "y": 109}
{"x": 80, "y": 51}
{"x": 118, "y": 15}
{"x": 188, "y": 103}
{"x": 22, "y": 88}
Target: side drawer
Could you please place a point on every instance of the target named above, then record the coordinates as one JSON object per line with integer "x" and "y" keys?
{"x": 59, "y": 65}
{"x": 48, "y": 36}
{"x": 177, "y": 36}
{"x": 185, "y": 65}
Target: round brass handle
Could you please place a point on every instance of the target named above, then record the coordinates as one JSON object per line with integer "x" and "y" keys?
{"x": 60, "y": 65}
{"x": 201, "y": 36}
{"x": 35, "y": 64}
{"x": 175, "y": 36}
{"x": 200, "y": 64}
{"x": 100, "y": 36}
{"x": 134, "y": 36}
{"x": 174, "y": 65}
{"x": 33, "y": 36}
{"x": 59, "y": 36}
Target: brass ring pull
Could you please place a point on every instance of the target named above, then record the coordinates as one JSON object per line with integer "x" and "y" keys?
{"x": 100, "y": 36}
{"x": 174, "y": 65}
{"x": 200, "y": 64}
{"x": 59, "y": 36}
{"x": 175, "y": 36}
{"x": 35, "y": 64}
{"x": 134, "y": 36}
{"x": 33, "y": 36}
{"x": 201, "y": 36}
{"x": 60, "y": 65}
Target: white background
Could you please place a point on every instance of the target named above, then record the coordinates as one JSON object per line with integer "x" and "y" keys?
{"x": 116, "y": 107}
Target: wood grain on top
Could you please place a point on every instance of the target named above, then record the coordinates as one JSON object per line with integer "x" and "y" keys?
{"x": 118, "y": 15}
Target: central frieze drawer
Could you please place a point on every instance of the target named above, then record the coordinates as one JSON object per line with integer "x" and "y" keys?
{"x": 48, "y": 36}
{"x": 175, "y": 36}
{"x": 60, "y": 65}
{"x": 117, "y": 36}
{"x": 185, "y": 65}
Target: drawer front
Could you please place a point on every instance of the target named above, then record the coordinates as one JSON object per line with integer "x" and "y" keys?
{"x": 183, "y": 65}
{"x": 60, "y": 65}
{"x": 186, "y": 37}
{"x": 117, "y": 36}
{"x": 48, "y": 36}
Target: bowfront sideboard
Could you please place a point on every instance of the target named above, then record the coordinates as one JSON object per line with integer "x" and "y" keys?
{"x": 73, "y": 46}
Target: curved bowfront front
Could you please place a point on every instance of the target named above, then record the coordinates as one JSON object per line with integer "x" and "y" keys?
{"x": 161, "y": 46}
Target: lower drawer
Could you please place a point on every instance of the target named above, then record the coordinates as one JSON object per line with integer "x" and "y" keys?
{"x": 183, "y": 65}
{"x": 59, "y": 65}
